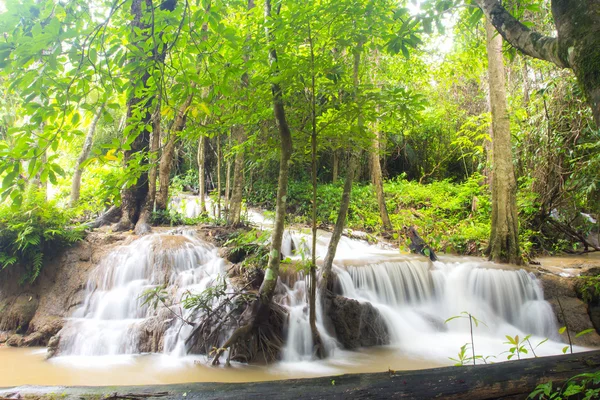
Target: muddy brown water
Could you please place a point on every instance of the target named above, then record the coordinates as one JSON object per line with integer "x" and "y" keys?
{"x": 28, "y": 366}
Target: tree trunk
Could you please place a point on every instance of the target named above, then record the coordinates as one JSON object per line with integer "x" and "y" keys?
{"x": 142, "y": 225}
{"x": 335, "y": 167}
{"x": 504, "y": 240}
{"x": 262, "y": 306}
{"x": 235, "y": 203}
{"x": 319, "y": 348}
{"x": 377, "y": 180}
{"x": 134, "y": 197}
{"x": 326, "y": 284}
{"x": 353, "y": 165}
{"x": 85, "y": 153}
{"x": 228, "y": 177}
{"x": 202, "y": 172}
{"x": 577, "y": 45}
{"x": 218, "y": 177}
{"x": 166, "y": 160}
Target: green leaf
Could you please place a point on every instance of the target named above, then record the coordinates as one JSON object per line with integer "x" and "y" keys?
{"x": 562, "y": 330}
{"x": 585, "y": 332}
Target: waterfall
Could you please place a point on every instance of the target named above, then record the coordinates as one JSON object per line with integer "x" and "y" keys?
{"x": 413, "y": 296}
{"x": 112, "y": 317}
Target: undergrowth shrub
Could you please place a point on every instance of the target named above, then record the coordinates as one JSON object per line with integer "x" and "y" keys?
{"x": 32, "y": 230}
{"x": 450, "y": 216}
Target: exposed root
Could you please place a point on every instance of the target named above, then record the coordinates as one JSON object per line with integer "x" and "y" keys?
{"x": 259, "y": 338}
{"x": 111, "y": 216}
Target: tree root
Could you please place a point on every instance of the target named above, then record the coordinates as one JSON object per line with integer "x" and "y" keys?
{"x": 111, "y": 216}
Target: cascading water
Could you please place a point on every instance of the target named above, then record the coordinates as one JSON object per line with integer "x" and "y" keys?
{"x": 415, "y": 297}
{"x": 112, "y": 317}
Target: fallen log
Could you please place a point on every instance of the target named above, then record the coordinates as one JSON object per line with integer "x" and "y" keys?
{"x": 506, "y": 380}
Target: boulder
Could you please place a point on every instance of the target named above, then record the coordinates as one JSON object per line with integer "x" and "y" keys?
{"x": 357, "y": 324}
{"x": 18, "y": 313}
{"x": 562, "y": 292}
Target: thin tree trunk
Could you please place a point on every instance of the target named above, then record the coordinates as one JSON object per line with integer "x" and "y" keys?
{"x": 318, "y": 347}
{"x": 267, "y": 289}
{"x": 85, "y": 153}
{"x": 166, "y": 160}
{"x": 353, "y": 164}
{"x": 377, "y": 180}
{"x": 326, "y": 284}
{"x": 261, "y": 307}
{"x": 335, "y": 167}
{"x": 235, "y": 203}
{"x": 202, "y": 172}
{"x": 218, "y": 177}
{"x": 504, "y": 240}
{"x": 142, "y": 226}
{"x": 228, "y": 177}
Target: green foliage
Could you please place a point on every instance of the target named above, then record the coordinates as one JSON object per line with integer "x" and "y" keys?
{"x": 582, "y": 386}
{"x": 588, "y": 287}
{"x": 442, "y": 211}
{"x": 31, "y": 230}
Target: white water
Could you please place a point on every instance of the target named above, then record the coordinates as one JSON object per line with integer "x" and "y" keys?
{"x": 413, "y": 295}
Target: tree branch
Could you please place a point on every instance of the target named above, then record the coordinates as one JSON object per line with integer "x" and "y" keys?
{"x": 519, "y": 36}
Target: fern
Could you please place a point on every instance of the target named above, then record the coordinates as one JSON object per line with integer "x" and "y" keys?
{"x": 29, "y": 232}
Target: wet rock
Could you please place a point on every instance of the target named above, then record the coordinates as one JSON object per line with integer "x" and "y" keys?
{"x": 357, "y": 324}
{"x": 562, "y": 292}
{"x": 3, "y": 337}
{"x": 53, "y": 344}
{"x": 19, "y": 313}
{"x": 15, "y": 340}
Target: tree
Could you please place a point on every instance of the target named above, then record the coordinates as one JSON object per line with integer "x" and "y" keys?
{"x": 85, "y": 153}
{"x": 577, "y": 45}
{"x": 504, "y": 240}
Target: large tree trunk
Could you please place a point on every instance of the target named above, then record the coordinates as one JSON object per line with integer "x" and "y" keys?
{"x": 166, "y": 160}
{"x": 504, "y": 240}
{"x": 139, "y": 114}
{"x": 577, "y": 45}
{"x": 85, "y": 153}
{"x": 235, "y": 203}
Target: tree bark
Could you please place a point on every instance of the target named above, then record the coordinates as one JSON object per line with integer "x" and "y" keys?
{"x": 377, "y": 180}
{"x": 235, "y": 203}
{"x": 577, "y": 45}
{"x": 335, "y": 167}
{"x": 166, "y": 160}
{"x": 262, "y": 306}
{"x": 504, "y": 240}
{"x": 85, "y": 153}
{"x": 326, "y": 284}
{"x": 218, "y": 176}
{"x": 134, "y": 197}
{"x": 142, "y": 226}
{"x": 202, "y": 172}
{"x": 267, "y": 289}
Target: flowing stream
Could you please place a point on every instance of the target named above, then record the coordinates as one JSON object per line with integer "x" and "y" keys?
{"x": 108, "y": 334}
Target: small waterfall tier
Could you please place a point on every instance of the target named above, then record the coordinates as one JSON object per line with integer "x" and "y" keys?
{"x": 113, "y": 318}
{"x": 416, "y": 297}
